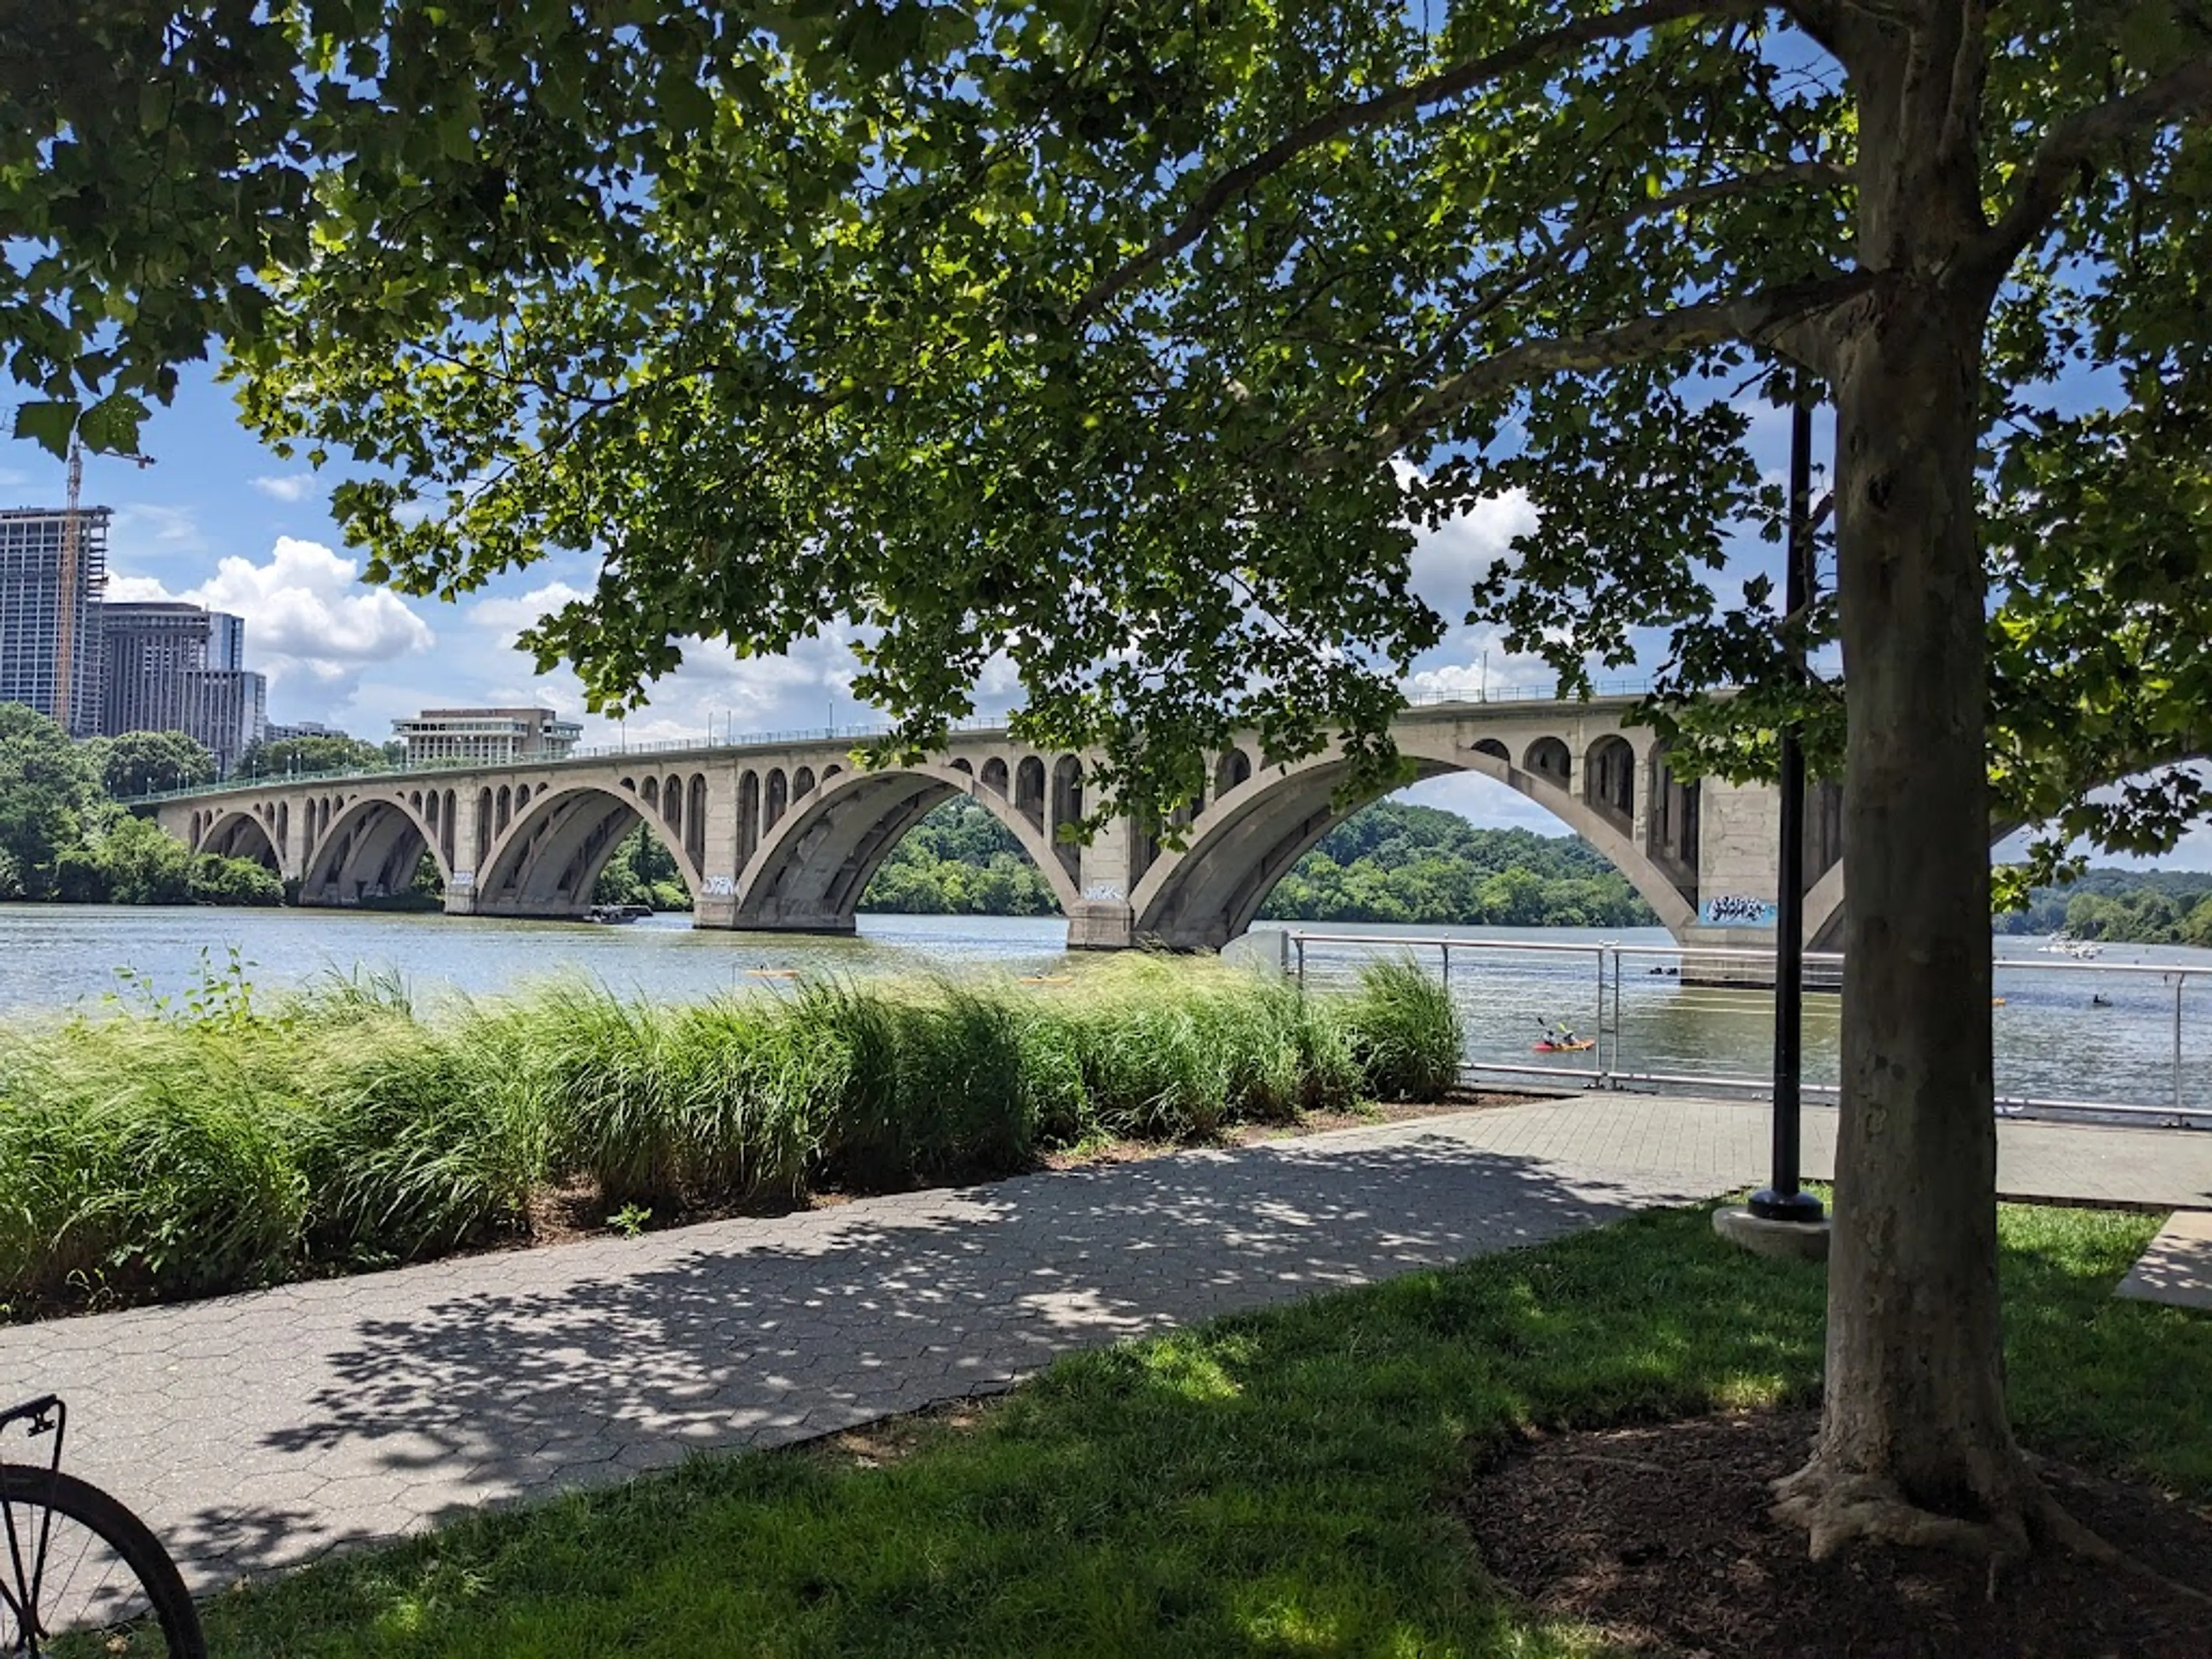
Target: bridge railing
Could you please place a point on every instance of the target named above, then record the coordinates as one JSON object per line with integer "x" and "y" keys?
{"x": 591, "y": 754}
{"x": 981, "y": 725}
{"x": 1673, "y": 1018}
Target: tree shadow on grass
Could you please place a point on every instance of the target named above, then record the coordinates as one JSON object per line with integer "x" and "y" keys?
{"x": 1272, "y": 1481}
{"x": 598, "y": 1361}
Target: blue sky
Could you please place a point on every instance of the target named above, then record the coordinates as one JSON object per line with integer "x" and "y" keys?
{"x": 220, "y": 520}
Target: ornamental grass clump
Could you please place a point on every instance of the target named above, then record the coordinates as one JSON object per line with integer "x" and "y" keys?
{"x": 143, "y": 1156}
{"x": 216, "y": 1142}
{"x": 1173, "y": 1050}
{"x": 935, "y": 1085}
{"x": 420, "y": 1140}
{"x": 1402, "y": 1032}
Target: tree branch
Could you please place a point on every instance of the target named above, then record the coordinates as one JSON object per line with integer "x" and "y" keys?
{"x": 1562, "y": 252}
{"x": 1346, "y": 118}
{"x": 2049, "y": 178}
{"x": 1776, "y": 318}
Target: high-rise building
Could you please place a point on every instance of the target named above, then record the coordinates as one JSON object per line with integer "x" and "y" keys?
{"x": 49, "y": 614}
{"x": 490, "y": 737}
{"x": 175, "y": 667}
{"x": 154, "y": 653}
{"x": 226, "y": 641}
{"x": 234, "y": 713}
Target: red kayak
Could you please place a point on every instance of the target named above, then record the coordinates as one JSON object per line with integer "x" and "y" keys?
{"x": 1548, "y": 1047}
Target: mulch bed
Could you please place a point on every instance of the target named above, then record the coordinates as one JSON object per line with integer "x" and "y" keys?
{"x": 1660, "y": 1538}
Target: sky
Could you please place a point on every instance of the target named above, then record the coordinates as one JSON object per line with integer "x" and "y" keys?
{"x": 220, "y": 521}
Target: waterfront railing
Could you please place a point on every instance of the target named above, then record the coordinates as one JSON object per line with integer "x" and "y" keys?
{"x": 2074, "y": 1039}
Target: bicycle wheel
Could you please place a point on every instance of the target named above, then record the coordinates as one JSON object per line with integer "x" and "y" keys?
{"x": 80, "y": 1575}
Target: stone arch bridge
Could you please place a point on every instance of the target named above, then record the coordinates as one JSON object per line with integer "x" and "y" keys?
{"x": 784, "y": 834}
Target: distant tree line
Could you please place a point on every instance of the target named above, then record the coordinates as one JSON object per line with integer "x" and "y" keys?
{"x": 2128, "y": 906}
{"x": 64, "y": 837}
{"x": 1400, "y": 862}
{"x": 959, "y": 860}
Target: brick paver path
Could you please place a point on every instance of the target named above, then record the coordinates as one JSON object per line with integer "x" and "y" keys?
{"x": 255, "y": 1431}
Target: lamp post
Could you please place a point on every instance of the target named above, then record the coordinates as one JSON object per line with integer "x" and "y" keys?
{"x": 1782, "y": 1198}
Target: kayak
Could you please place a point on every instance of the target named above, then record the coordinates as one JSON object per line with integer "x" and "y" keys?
{"x": 1548, "y": 1047}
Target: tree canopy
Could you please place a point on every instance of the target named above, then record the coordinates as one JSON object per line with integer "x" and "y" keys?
{"x": 47, "y": 784}
{"x": 1135, "y": 342}
{"x": 308, "y": 756}
{"x": 1077, "y": 331}
{"x": 141, "y": 762}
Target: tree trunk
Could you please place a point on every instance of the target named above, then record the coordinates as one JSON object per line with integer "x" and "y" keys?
{"x": 1914, "y": 1442}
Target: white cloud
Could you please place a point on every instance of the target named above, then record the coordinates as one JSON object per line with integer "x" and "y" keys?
{"x": 310, "y": 626}
{"x": 290, "y": 487}
{"x": 1448, "y": 560}
{"x": 135, "y": 590}
{"x": 508, "y": 618}
{"x": 143, "y": 526}
{"x": 1480, "y": 666}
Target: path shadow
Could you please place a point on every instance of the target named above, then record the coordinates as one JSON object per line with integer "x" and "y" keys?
{"x": 603, "y": 1360}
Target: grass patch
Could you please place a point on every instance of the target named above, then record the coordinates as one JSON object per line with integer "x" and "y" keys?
{"x": 1275, "y": 1483}
{"x": 221, "y": 1143}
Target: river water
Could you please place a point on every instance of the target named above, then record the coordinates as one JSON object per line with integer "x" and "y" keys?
{"x": 2054, "y": 1039}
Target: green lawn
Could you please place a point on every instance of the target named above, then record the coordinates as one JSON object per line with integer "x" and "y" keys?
{"x": 1272, "y": 1484}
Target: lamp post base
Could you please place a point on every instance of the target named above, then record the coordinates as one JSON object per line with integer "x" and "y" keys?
{"x": 1807, "y": 1241}
{"x": 1771, "y": 1204}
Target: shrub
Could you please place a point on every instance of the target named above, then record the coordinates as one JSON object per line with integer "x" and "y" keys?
{"x": 214, "y": 880}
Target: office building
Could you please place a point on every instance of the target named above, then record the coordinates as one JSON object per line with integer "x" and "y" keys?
{"x": 234, "y": 713}
{"x": 175, "y": 667}
{"x": 486, "y": 736}
{"x": 276, "y": 733}
{"x": 50, "y": 613}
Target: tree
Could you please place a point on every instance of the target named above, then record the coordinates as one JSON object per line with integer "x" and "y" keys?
{"x": 144, "y": 866}
{"x": 309, "y": 755}
{"x": 1133, "y": 340}
{"x": 46, "y": 787}
{"x": 140, "y": 763}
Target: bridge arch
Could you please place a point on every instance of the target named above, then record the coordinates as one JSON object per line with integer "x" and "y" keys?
{"x": 550, "y": 860}
{"x": 1251, "y": 836}
{"x": 814, "y": 863}
{"x": 372, "y": 846}
{"x": 239, "y": 834}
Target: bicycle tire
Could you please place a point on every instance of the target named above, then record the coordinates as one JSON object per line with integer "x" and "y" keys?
{"x": 26, "y": 1490}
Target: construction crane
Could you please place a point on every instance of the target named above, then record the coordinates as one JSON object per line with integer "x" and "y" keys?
{"x": 72, "y": 565}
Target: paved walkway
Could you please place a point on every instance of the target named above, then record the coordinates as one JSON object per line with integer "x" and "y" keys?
{"x": 256, "y": 1431}
{"x": 2176, "y": 1269}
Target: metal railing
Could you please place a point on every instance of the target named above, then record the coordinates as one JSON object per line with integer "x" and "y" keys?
{"x": 1683, "y": 1018}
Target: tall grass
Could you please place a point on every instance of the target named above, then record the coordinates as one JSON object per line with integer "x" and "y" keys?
{"x": 160, "y": 1152}
{"x": 1402, "y": 1032}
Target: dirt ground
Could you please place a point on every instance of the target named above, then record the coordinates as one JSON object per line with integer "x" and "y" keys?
{"x": 1660, "y": 1537}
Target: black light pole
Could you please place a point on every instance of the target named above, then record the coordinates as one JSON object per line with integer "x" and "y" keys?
{"x": 1782, "y": 1198}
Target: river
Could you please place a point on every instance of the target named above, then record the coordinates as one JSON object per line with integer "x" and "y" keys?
{"x": 2053, "y": 1040}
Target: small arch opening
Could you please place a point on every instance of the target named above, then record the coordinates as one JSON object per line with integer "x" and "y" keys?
{"x": 1609, "y": 778}
{"x": 1549, "y": 759}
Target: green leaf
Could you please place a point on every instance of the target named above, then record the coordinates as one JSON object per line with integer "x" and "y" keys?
{"x": 48, "y": 425}
{"x": 111, "y": 426}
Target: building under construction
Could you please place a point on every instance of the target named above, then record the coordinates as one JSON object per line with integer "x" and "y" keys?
{"x": 51, "y": 582}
